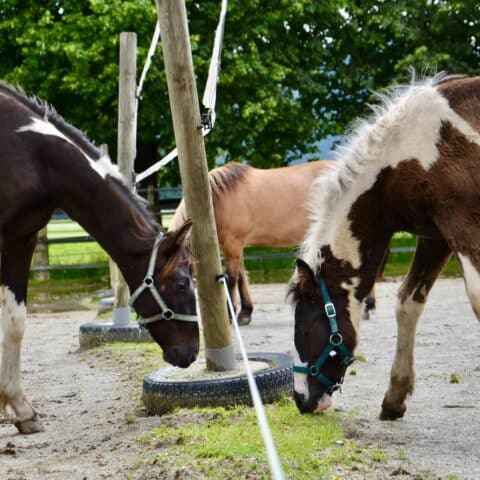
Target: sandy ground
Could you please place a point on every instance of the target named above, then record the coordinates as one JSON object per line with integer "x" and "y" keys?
{"x": 85, "y": 408}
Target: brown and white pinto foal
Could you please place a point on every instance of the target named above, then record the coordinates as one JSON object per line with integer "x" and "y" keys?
{"x": 414, "y": 167}
{"x": 262, "y": 208}
{"x": 46, "y": 163}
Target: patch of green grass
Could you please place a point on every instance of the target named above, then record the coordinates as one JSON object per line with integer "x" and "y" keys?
{"x": 72, "y": 253}
{"x": 225, "y": 443}
{"x": 454, "y": 378}
{"x": 379, "y": 456}
{"x": 401, "y": 454}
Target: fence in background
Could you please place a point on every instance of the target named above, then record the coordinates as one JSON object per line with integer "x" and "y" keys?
{"x": 165, "y": 201}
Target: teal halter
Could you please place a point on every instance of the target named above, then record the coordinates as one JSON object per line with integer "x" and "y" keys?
{"x": 335, "y": 343}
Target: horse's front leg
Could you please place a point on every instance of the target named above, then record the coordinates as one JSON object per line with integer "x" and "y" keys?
{"x": 14, "y": 270}
{"x": 430, "y": 257}
{"x": 370, "y": 302}
{"x": 232, "y": 264}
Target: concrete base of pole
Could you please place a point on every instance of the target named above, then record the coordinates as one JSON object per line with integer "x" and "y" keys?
{"x": 220, "y": 359}
{"x": 96, "y": 333}
{"x": 121, "y": 316}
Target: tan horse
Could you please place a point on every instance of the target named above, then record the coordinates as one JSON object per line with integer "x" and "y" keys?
{"x": 255, "y": 207}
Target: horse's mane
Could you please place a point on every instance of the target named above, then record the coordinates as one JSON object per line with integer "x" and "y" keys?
{"x": 48, "y": 112}
{"x": 356, "y": 155}
{"x": 226, "y": 178}
{"x": 140, "y": 205}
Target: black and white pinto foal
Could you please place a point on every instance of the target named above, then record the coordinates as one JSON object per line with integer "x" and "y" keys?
{"x": 46, "y": 163}
{"x": 414, "y": 167}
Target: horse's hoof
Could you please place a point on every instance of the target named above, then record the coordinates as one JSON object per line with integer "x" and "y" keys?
{"x": 27, "y": 427}
{"x": 392, "y": 412}
{"x": 244, "y": 319}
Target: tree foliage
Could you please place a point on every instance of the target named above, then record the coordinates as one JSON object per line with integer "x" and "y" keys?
{"x": 293, "y": 71}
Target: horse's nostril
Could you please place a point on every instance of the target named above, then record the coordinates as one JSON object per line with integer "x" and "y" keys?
{"x": 180, "y": 356}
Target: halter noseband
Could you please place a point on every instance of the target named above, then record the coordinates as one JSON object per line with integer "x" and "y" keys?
{"x": 148, "y": 284}
{"x": 335, "y": 343}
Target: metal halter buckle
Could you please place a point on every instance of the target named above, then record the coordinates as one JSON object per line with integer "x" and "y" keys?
{"x": 167, "y": 314}
{"x": 330, "y": 310}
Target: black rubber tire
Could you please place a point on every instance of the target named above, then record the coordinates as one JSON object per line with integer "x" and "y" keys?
{"x": 162, "y": 396}
{"x": 96, "y": 333}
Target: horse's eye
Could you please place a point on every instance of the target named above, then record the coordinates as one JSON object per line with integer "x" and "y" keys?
{"x": 182, "y": 286}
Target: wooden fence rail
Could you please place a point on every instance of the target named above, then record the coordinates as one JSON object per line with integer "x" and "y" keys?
{"x": 88, "y": 238}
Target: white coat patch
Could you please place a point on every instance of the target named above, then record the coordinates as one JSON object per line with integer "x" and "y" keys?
{"x": 472, "y": 283}
{"x": 103, "y": 166}
{"x": 406, "y": 126}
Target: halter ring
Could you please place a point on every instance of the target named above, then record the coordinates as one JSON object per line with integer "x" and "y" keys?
{"x": 336, "y": 339}
{"x": 167, "y": 314}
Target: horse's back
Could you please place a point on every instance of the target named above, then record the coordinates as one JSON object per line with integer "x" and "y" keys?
{"x": 269, "y": 207}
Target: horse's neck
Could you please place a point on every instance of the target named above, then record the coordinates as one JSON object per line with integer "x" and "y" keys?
{"x": 359, "y": 240}
{"x": 110, "y": 215}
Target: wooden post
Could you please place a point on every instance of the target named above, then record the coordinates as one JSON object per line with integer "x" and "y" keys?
{"x": 41, "y": 255}
{"x": 192, "y": 159}
{"x": 126, "y": 149}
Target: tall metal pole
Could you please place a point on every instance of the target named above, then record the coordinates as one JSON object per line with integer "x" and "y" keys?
{"x": 126, "y": 148}
{"x": 192, "y": 158}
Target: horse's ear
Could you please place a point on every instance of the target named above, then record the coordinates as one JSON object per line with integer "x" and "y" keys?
{"x": 306, "y": 283}
{"x": 176, "y": 237}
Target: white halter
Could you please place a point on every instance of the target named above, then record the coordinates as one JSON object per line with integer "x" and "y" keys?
{"x": 148, "y": 284}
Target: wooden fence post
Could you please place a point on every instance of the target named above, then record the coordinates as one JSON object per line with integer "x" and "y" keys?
{"x": 41, "y": 255}
{"x": 126, "y": 149}
{"x": 192, "y": 159}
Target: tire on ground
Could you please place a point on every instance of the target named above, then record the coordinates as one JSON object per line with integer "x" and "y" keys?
{"x": 161, "y": 396}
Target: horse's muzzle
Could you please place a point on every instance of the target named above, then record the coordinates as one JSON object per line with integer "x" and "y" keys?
{"x": 180, "y": 355}
{"x": 312, "y": 405}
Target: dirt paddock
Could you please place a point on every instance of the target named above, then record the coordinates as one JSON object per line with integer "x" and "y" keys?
{"x": 83, "y": 406}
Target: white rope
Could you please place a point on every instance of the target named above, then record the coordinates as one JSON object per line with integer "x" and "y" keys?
{"x": 157, "y": 166}
{"x": 272, "y": 455}
{"x": 148, "y": 63}
{"x": 209, "y": 95}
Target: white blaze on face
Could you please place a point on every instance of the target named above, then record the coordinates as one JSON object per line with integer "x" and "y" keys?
{"x": 300, "y": 385}
{"x": 103, "y": 166}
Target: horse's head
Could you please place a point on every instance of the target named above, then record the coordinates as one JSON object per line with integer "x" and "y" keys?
{"x": 324, "y": 339}
{"x": 166, "y": 298}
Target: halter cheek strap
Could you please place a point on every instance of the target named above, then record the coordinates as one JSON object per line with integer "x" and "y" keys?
{"x": 149, "y": 285}
{"x": 335, "y": 343}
